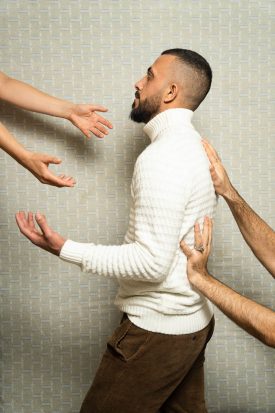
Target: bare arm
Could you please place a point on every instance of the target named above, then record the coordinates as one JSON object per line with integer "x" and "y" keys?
{"x": 36, "y": 163}
{"x": 256, "y": 232}
{"x": 256, "y": 319}
{"x": 83, "y": 116}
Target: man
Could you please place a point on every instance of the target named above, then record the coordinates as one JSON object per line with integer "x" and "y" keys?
{"x": 154, "y": 360}
{"x": 249, "y": 315}
{"x": 27, "y": 97}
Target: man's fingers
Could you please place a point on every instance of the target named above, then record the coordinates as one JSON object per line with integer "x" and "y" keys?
{"x": 185, "y": 249}
{"x": 21, "y": 220}
{"x": 42, "y": 223}
{"x": 54, "y": 160}
{"x": 205, "y": 232}
{"x": 59, "y": 181}
{"x": 210, "y": 232}
{"x": 101, "y": 128}
{"x": 31, "y": 221}
{"x": 98, "y": 108}
{"x": 97, "y": 133}
{"x": 213, "y": 173}
{"x": 211, "y": 156}
{"x": 104, "y": 121}
{"x": 197, "y": 235}
{"x": 211, "y": 152}
{"x": 25, "y": 228}
{"x": 85, "y": 132}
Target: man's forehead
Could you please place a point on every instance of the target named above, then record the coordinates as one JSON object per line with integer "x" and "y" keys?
{"x": 162, "y": 62}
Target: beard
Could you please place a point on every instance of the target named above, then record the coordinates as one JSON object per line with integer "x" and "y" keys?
{"x": 146, "y": 110}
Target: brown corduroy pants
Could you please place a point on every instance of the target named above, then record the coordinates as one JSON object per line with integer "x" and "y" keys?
{"x": 145, "y": 372}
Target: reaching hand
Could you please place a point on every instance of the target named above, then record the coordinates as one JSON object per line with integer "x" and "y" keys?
{"x": 218, "y": 173}
{"x": 198, "y": 257}
{"x": 46, "y": 238}
{"x": 38, "y": 163}
{"x": 85, "y": 118}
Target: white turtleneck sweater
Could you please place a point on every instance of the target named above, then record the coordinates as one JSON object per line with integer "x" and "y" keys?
{"x": 171, "y": 189}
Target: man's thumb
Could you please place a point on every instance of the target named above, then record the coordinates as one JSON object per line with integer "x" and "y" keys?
{"x": 53, "y": 159}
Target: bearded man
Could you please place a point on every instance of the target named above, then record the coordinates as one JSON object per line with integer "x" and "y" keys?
{"x": 154, "y": 359}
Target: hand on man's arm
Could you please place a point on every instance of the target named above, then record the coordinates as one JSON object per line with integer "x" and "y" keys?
{"x": 256, "y": 232}
{"x": 256, "y": 319}
{"x": 44, "y": 238}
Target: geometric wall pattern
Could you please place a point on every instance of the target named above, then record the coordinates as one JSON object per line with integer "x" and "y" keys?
{"x": 54, "y": 319}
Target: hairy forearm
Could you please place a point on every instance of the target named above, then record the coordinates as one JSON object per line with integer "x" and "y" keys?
{"x": 30, "y": 98}
{"x": 256, "y": 319}
{"x": 256, "y": 232}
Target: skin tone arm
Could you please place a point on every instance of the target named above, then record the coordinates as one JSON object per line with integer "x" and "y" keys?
{"x": 29, "y": 98}
{"x": 36, "y": 163}
{"x": 254, "y": 318}
{"x": 256, "y": 232}
{"x": 83, "y": 116}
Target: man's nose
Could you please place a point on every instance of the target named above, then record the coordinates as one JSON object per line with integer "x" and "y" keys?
{"x": 139, "y": 85}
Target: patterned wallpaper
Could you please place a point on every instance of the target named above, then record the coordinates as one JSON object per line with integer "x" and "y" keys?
{"x": 54, "y": 319}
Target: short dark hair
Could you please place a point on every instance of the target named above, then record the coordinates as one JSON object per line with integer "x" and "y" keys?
{"x": 202, "y": 82}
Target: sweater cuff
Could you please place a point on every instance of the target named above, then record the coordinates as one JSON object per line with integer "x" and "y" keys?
{"x": 74, "y": 251}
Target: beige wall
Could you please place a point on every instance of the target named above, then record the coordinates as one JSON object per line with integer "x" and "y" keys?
{"x": 55, "y": 320}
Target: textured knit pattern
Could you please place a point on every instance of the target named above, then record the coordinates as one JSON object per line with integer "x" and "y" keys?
{"x": 171, "y": 189}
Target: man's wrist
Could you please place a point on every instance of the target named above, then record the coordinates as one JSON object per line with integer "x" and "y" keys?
{"x": 69, "y": 109}
{"x": 200, "y": 279}
{"x": 61, "y": 245}
{"x": 230, "y": 194}
{"x": 23, "y": 156}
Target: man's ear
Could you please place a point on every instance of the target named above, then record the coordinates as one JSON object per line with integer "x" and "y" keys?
{"x": 171, "y": 93}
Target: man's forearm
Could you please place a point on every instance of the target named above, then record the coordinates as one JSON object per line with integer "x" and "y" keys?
{"x": 249, "y": 315}
{"x": 256, "y": 232}
{"x": 30, "y": 98}
{"x": 10, "y": 145}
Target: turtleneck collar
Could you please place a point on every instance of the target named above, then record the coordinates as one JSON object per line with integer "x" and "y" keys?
{"x": 170, "y": 118}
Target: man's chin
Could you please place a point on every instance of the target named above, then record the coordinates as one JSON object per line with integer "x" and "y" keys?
{"x": 135, "y": 116}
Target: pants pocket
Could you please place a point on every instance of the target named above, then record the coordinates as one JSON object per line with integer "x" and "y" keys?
{"x": 128, "y": 341}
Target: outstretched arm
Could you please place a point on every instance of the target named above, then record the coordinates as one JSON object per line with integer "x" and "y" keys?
{"x": 256, "y": 232}
{"x": 36, "y": 163}
{"x": 83, "y": 116}
{"x": 256, "y": 319}
{"x": 147, "y": 257}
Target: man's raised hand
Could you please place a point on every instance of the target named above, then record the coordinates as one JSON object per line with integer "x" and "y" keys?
{"x": 43, "y": 236}
{"x": 218, "y": 173}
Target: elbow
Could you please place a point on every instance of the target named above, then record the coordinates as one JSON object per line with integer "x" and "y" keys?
{"x": 155, "y": 271}
{"x": 156, "y": 266}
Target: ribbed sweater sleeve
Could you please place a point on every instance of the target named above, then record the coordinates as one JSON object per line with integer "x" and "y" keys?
{"x": 160, "y": 190}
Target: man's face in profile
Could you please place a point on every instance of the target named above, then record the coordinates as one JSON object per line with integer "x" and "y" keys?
{"x": 149, "y": 91}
